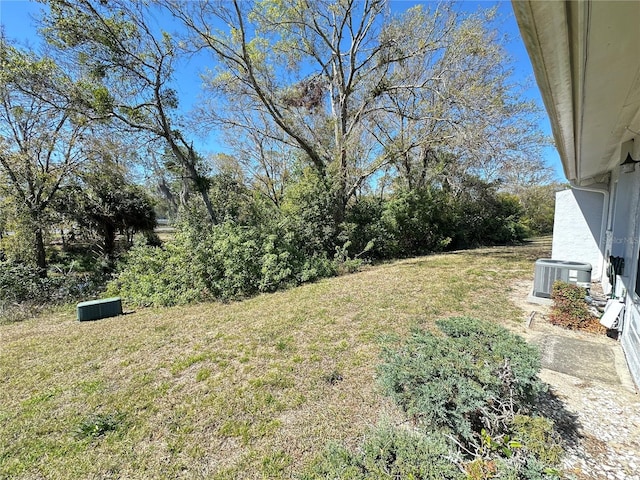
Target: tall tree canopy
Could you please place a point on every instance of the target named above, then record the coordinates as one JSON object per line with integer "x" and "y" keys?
{"x": 359, "y": 90}
{"x": 128, "y": 64}
{"x": 40, "y": 139}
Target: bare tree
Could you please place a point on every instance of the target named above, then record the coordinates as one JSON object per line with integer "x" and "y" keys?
{"x": 128, "y": 66}
{"x": 358, "y": 90}
{"x": 451, "y": 109}
{"x": 311, "y": 67}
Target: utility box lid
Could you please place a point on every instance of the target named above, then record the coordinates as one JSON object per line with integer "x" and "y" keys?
{"x": 97, "y": 309}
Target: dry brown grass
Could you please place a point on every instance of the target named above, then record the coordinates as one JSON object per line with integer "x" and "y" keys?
{"x": 252, "y": 389}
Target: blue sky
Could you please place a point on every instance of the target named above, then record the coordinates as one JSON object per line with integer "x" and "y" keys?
{"x": 16, "y": 19}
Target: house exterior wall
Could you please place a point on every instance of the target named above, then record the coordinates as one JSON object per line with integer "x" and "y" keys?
{"x": 623, "y": 240}
{"x": 578, "y": 228}
{"x": 620, "y": 239}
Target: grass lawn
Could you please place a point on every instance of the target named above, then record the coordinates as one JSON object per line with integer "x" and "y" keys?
{"x": 251, "y": 389}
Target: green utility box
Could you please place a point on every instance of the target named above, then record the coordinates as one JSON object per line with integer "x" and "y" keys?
{"x": 96, "y": 309}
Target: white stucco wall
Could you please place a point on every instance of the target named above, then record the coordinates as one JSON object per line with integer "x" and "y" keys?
{"x": 578, "y": 231}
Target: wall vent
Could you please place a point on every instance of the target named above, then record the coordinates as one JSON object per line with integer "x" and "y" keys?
{"x": 547, "y": 271}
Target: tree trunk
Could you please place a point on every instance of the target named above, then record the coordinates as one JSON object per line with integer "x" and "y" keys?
{"x": 189, "y": 164}
{"x": 109, "y": 234}
{"x": 41, "y": 256}
{"x": 166, "y": 192}
{"x": 341, "y": 199}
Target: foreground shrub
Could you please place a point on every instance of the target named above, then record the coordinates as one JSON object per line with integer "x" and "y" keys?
{"x": 514, "y": 468}
{"x": 538, "y": 438}
{"x": 468, "y": 381}
{"x": 528, "y": 449}
{"x": 389, "y": 453}
{"x": 570, "y": 309}
{"x": 467, "y": 389}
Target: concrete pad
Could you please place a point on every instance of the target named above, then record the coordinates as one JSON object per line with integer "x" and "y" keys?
{"x": 579, "y": 358}
{"x": 586, "y": 357}
{"x": 531, "y": 298}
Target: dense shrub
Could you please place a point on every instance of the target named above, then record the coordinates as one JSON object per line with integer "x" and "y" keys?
{"x": 20, "y": 282}
{"x": 512, "y": 468}
{"x": 419, "y": 221}
{"x": 528, "y": 449}
{"x": 484, "y": 216}
{"x": 409, "y": 223}
{"x": 538, "y": 438}
{"x": 394, "y": 453}
{"x": 309, "y": 212}
{"x": 167, "y": 275}
{"x": 365, "y": 229}
{"x": 467, "y": 381}
{"x": 389, "y": 453}
{"x": 432, "y": 219}
{"x": 225, "y": 261}
{"x": 23, "y": 289}
{"x": 231, "y": 256}
{"x": 570, "y": 309}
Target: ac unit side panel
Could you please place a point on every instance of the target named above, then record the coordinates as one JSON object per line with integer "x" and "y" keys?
{"x": 548, "y": 271}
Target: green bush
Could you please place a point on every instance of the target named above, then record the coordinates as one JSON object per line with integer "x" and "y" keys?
{"x": 160, "y": 276}
{"x": 388, "y": 453}
{"x": 538, "y": 438}
{"x": 365, "y": 229}
{"x": 244, "y": 260}
{"x": 431, "y": 219}
{"x": 22, "y": 289}
{"x": 528, "y": 450}
{"x": 231, "y": 255}
{"x": 417, "y": 222}
{"x": 514, "y": 468}
{"x": 225, "y": 261}
{"x": 469, "y": 380}
{"x": 483, "y": 216}
{"x": 20, "y": 282}
{"x": 308, "y": 211}
{"x": 466, "y": 387}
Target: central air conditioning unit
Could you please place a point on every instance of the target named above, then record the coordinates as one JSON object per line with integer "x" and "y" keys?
{"x": 548, "y": 271}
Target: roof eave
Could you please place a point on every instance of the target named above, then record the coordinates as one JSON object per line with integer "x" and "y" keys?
{"x": 545, "y": 30}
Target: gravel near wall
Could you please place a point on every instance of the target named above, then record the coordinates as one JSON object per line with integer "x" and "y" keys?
{"x": 600, "y": 425}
